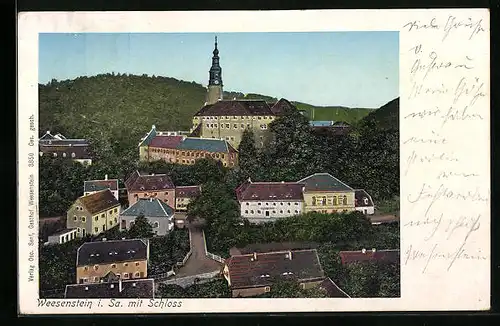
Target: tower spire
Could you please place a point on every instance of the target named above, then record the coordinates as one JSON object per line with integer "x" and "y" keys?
{"x": 215, "y": 77}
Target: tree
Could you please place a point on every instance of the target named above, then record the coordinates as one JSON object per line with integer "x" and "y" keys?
{"x": 141, "y": 228}
{"x": 247, "y": 155}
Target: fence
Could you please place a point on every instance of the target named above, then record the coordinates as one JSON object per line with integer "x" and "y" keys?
{"x": 210, "y": 255}
{"x": 190, "y": 280}
{"x": 163, "y": 276}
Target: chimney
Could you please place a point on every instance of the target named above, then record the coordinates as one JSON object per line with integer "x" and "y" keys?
{"x": 86, "y": 288}
{"x": 290, "y": 255}
{"x": 120, "y": 286}
{"x": 48, "y": 132}
{"x": 150, "y": 199}
{"x": 255, "y": 256}
{"x": 153, "y": 127}
{"x": 106, "y": 177}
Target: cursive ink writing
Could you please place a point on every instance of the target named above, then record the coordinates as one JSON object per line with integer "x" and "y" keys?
{"x": 416, "y": 24}
{"x": 437, "y": 253}
{"x": 436, "y": 140}
{"x": 433, "y": 65}
{"x": 465, "y": 88}
{"x": 418, "y": 89}
{"x": 422, "y": 114}
{"x": 454, "y": 114}
{"x": 427, "y": 192}
{"x": 416, "y": 158}
{"x": 449, "y": 174}
{"x": 453, "y": 24}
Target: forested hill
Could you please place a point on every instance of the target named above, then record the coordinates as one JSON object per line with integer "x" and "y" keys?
{"x": 387, "y": 116}
{"x": 122, "y": 107}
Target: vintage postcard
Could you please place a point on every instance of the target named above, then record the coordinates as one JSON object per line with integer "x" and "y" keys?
{"x": 198, "y": 162}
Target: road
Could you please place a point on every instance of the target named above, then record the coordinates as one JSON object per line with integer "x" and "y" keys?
{"x": 198, "y": 263}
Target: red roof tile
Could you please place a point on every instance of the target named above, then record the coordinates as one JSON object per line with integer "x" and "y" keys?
{"x": 390, "y": 256}
{"x": 270, "y": 191}
{"x": 246, "y": 271}
{"x": 144, "y": 182}
{"x": 165, "y": 141}
{"x": 187, "y": 191}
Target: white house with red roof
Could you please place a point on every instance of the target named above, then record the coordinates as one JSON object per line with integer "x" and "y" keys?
{"x": 268, "y": 201}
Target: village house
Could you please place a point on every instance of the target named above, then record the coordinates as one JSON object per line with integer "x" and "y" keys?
{"x": 92, "y": 186}
{"x": 185, "y": 150}
{"x": 268, "y": 201}
{"x": 363, "y": 202}
{"x": 330, "y": 127}
{"x": 364, "y": 255}
{"x": 184, "y": 195}
{"x": 62, "y": 236}
{"x": 125, "y": 259}
{"x": 326, "y": 194}
{"x": 62, "y": 147}
{"x": 93, "y": 214}
{"x": 141, "y": 185}
{"x": 254, "y": 274}
{"x": 132, "y": 289}
{"x": 157, "y": 212}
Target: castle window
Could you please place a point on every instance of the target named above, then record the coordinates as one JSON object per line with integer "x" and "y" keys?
{"x": 96, "y": 229}
{"x": 137, "y": 263}
{"x": 96, "y": 267}
{"x": 83, "y": 218}
{"x": 222, "y": 126}
{"x": 235, "y": 126}
{"x": 96, "y": 218}
{"x": 74, "y": 217}
{"x": 246, "y": 211}
{"x": 228, "y": 125}
{"x": 259, "y": 118}
{"x": 344, "y": 200}
{"x": 248, "y": 125}
{"x": 251, "y": 211}
{"x": 113, "y": 266}
{"x": 258, "y": 212}
{"x": 242, "y": 126}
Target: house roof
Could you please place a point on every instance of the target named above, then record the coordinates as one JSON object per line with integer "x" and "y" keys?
{"x": 97, "y": 185}
{"x": 270, "y": 191}
{"x": 192, "y": 143}
{"x": 359, "y": 198}
{"x": 246, "y": 271}
{"x": 149, "y": 207}
{"x": 99, "y": 201}
{"x": 389, "y": 256}
{"x": 147, "y": 138}
{"x": 324, "y": 182}
{"x": 205, "y": 144}
{"x": 148, "y": 182}
{"x": 273, "y": 246}
{"x": 321, "y": 123}
{"x": 138, "y": 288}
{"x": 111, "y": 251}
{"x": 165, "y": 141}
{"x": 187, "y": 191}
{"x": 332, "y": 289}
{"x": 64, "y": 142}
{"x": 236, "y": 108}
{"x": 80, "y": 152}
{"x": 281, "y": 107}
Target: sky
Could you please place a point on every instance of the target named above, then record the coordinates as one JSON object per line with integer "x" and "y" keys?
{"x": 353, "y": 69}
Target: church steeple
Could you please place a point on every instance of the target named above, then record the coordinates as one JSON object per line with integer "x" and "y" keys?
{"x": 215, "y": 78}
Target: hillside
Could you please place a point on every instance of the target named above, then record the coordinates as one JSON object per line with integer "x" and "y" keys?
{"x": 118, "y": 109}
{"x": 387, "y": 116}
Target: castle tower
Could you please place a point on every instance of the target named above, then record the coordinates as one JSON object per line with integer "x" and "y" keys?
{"x": 214, "y": 92}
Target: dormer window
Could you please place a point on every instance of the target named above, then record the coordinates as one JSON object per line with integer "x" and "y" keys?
{"x": 365, "y": 200}
{"x": 73, "y": 155}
